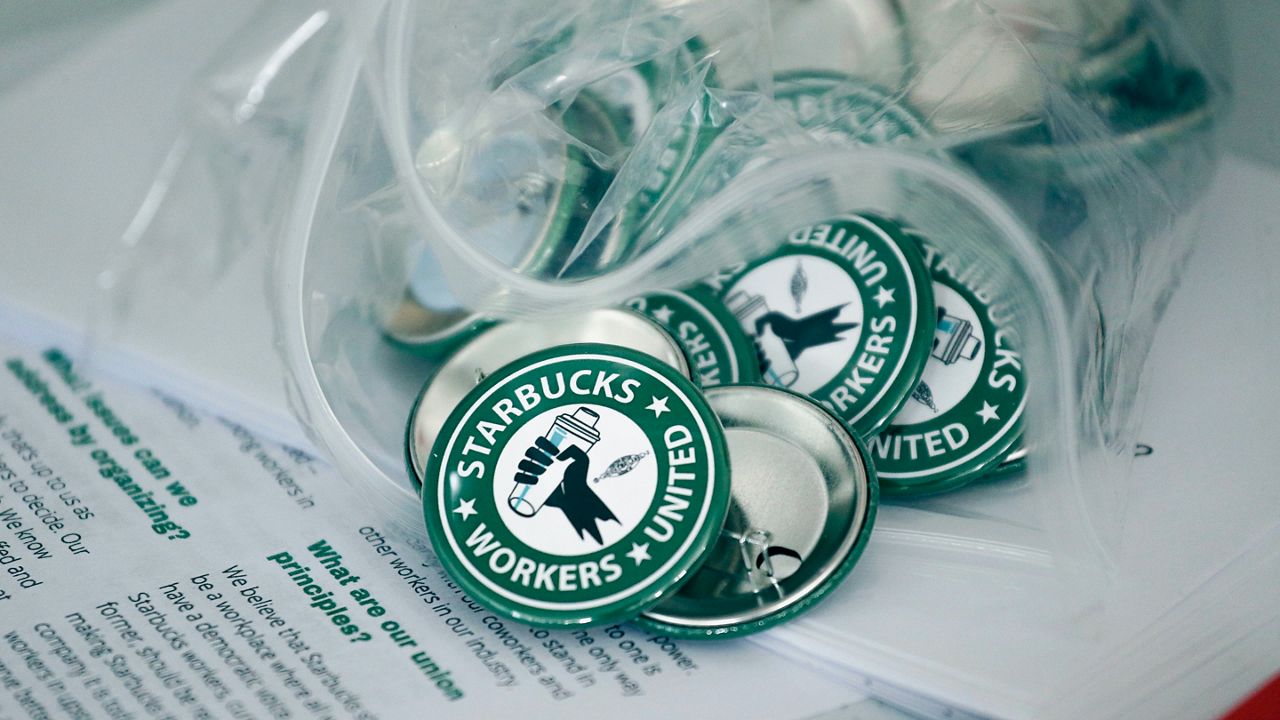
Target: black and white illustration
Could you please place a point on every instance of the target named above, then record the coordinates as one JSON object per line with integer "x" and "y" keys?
{"x": 805, "y": 316}
{"x": 953, "y": 341}
{"x": 955, "y": 360}
{"x": 576, "y": 480}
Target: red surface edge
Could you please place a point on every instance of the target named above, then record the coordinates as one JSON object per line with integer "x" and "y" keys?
{"x": 1263, "y": 704}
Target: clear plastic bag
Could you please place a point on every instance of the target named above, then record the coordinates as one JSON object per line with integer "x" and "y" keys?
{"x": 1059, "y": 147}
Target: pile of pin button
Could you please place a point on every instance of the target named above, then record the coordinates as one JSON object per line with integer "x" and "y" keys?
{"x": 708, "y": 461}
{"x": 1154, "y": 111}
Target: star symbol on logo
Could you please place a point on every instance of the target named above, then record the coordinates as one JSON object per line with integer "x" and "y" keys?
{"x": 663, "y": 314}
{"x": 884, "y": 296}
{"x": 988, "y": 412}
{"x": 639, "y": 552}
{"x": 466, "y": 508}
{"x": 658, "y": 406}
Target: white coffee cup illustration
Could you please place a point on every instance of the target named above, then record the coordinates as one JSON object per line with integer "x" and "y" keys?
{"x": 576, "y": 429}
{"x": 748, "y": 308}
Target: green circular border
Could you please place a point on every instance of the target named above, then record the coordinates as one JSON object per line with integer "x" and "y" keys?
{"x": 629, "y": 218}
{"x": 482, "y": 327}
{"x": 698, "y": 137}
{"x": 973, "y": 469}
{"x": 897, "y": 391}
{"x": 743, "y": 349}
{"x": 926, "y": 323}
{"x": 578, "y": 200}
{"x": 621, "y": 610}
{"x": 833, "y": 581}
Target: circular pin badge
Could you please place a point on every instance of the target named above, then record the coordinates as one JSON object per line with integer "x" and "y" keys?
{"x": 686, "y": 138}
{"x": 843, "y": 111}
{"x": 523, "y": 198}
{"x": 804, "y": 502}
{"x": 625, "y": 104}
{"x": 1160, "y": 112}
{"x": 838, "y": 312}
{"x": 503, "y": 343}
{"x": 577, "y": 486}
{"x": 719, "y": 353}
{"x": 965, "y": 413}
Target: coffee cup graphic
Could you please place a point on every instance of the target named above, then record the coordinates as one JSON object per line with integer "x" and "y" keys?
{"x": 748, "y": 308}
{"x": 578, "y": 429}
{"x": 954, "y": 340}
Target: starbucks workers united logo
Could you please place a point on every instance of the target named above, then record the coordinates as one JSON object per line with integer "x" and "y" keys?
{"x": 965, "y": 413}
{"x": 577, "y": 485}
{"x": 836, "y": 313}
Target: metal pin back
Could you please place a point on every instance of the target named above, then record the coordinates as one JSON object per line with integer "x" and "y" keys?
{"x": 804, "y": 500}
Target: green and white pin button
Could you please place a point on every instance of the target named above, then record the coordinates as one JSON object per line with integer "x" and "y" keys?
{"x": 718, "y": 351}
{"x": 536, "y": 195}
{"x": 841, "y": 313}
{"x": 964, "y": 416}
{"x": 502, "y": 343}
{"x": 804, "y": 502}
{"x": 577, "y": 486}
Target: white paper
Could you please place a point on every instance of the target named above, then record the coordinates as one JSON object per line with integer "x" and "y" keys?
{"x": 151, "y": 566}
{"x": 1190, "y": 623}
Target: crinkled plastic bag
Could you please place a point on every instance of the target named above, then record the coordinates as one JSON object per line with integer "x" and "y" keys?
{"x": 1059, "y": 149}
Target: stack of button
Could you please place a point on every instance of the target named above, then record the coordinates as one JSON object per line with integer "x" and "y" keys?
{"x": 873, "y": 322}
{"x": 591, "y": 483}
{"x": 963, "y": 420}
{"x": 708, "y": 462}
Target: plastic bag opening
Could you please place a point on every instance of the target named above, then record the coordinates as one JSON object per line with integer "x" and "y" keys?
{"x": 1058, "y": 150}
